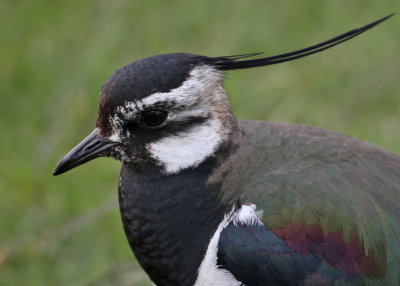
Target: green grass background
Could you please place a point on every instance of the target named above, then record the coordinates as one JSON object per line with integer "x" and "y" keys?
{"x": 55, "y": 55}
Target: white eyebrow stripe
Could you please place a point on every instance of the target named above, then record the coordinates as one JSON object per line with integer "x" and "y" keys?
{"x": 189, "y": 93}
{"x": 184, "y": 115}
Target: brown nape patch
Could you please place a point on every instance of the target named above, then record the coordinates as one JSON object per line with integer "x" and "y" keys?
{"x": 221, "y": 106}
{"x": 103, "y": 116}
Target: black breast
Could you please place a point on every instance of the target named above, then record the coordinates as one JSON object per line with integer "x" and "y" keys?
{"x": 169, "y": 221}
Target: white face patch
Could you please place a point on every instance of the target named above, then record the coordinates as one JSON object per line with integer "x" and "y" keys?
{"x": 189, "y": 148}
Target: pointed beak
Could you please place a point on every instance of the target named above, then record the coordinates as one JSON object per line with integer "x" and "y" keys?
{"x": 91, "y": 147}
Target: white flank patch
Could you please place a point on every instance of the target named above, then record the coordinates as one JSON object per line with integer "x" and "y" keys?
{"x": 189, "y": 148}
{"x": 247, "y": 214}
{"x": 209, "y": 273}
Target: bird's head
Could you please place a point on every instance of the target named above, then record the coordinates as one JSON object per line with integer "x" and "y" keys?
{"x": 171, "y": 110}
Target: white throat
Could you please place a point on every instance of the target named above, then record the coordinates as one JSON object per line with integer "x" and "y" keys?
{"x": 189, "y": 148}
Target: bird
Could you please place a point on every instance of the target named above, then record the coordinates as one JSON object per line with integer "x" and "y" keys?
{"x": 207, "y": 199}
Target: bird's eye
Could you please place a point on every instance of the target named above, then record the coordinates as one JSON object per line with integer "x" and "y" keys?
{"x": 154, "y": 117}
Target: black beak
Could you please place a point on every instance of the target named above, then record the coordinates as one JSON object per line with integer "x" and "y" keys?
{"x": 91, "y": 147}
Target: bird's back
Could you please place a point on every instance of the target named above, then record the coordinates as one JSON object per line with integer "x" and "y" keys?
{"x": 324, "y": 195}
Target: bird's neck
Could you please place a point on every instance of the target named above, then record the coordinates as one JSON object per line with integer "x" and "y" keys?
{"x": 169, "y": 220}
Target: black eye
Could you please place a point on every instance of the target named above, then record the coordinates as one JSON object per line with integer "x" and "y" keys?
{"x": 154, "y": 117}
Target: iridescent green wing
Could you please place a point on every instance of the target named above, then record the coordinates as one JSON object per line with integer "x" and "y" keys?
{"x": 323, "y": 194}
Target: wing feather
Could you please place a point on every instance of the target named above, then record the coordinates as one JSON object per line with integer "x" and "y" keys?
{"x": 324, "y": 195}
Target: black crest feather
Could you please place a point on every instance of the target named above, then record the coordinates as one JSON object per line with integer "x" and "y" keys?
{"x": 234, "y": 62}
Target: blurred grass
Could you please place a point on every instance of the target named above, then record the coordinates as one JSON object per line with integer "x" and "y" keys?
{"x": 55, "y": 55}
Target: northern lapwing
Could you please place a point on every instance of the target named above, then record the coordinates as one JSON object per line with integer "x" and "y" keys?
{"x": 207, "y": 199}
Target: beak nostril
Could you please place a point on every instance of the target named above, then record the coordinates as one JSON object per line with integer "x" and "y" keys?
{"x": 90, "y": 147}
